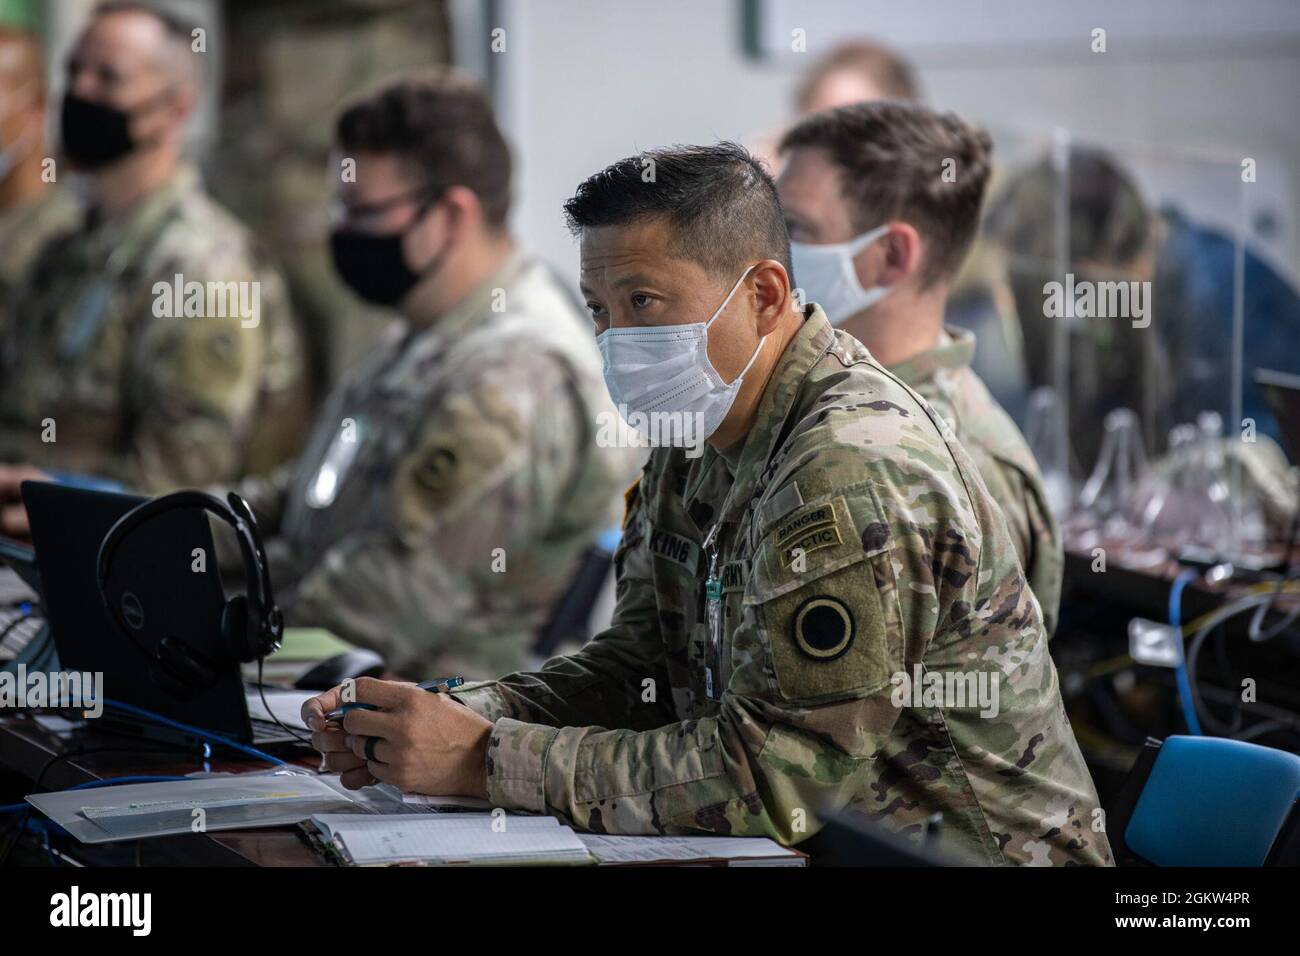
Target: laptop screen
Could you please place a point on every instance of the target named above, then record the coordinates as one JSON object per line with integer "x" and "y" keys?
{"x": 173, "y": 592}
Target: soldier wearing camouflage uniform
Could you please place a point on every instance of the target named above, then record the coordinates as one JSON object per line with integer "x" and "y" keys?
{"x": 452, "y": 483}
{"x": 113, "y": 364}
{"x": 775, "y": 594}
{"x": 877, "y": 172}
{"x": 943, "y": 377}
{"x": 453, "y": 479}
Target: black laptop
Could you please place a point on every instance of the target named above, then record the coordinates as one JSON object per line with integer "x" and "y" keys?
{"x": 67, "y": 525}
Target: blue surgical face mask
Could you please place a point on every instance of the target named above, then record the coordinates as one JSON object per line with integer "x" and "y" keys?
{"x": 827, "y": 276}
{"x": 662, "y": 382}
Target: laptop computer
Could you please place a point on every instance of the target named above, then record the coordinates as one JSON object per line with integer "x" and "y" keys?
{"x": 67, "y": 526}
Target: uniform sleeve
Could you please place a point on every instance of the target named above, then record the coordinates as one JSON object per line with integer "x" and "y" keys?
{"x": 798, "y": 727}
{"x": 1034, "y": 531}
{"x": 617, "y": 679}
{"x": 193, "y": 385}
{"x": 459, "y": 560}
{"x": 1045, "y": 563}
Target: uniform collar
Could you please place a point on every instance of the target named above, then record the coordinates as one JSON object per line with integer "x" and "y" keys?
{"x": 954, "y": 350}
{"x": 804, "y": 351}
{"x": 420, "y": 346}
{"x": 147, "y": 215}
{"x": 478, "y": 302}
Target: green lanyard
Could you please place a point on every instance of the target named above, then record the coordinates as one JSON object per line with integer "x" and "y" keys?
{"x": 713, "y": 618}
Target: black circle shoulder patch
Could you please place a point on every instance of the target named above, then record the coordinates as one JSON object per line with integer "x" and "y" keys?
{"x": 436, "y": 470}
{"x": 823, "y": 628}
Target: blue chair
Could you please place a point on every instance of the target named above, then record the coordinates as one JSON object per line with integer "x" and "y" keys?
{"x": 1209, "y": 801}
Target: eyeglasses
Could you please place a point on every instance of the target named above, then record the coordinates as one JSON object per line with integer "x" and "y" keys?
{"x": 367, "y": 216}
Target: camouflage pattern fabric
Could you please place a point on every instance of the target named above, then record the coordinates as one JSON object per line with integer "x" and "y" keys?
{"x": 135, "y": 389}
{"x": 451, "y": 483}
{"x": 943, "y": 377}
{"x": 850, "y": 544}
{"x": 24, "y": 229}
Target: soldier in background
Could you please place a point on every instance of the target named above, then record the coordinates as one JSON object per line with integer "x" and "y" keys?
{"x": 856, "y": 71}
{"x": 31, "y": 208}
{"x": 879, "y": 230}
{"x": 298, "y": 60}
{"x": 779, "y": 597}
{"x": 144, "y": 344}
{"x": 454, "y": 478}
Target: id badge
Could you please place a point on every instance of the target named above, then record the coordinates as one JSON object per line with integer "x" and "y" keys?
{"x": 334, "y": 467}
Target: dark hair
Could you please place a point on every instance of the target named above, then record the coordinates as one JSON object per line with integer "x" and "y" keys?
{"x": 894, "y": 161}
{"x": 877, "y": 63}
{"x": 719, "y": 201}
{"x": 1109, "y": 221}
{"x": 441, "y": 123}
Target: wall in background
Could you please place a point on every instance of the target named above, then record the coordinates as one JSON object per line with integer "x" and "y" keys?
{"x": 584, "y": 82}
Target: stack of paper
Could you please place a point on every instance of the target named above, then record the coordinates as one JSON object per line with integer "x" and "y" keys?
{"x": 729, "y": 851}
{"x": 441, "y": 839}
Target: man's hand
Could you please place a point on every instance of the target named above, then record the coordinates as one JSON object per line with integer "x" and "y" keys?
{"x": 13, "y": 516}
{"x": 424, "y": 743}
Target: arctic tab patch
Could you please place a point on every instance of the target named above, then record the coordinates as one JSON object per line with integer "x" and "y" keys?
{"x": 813, "y": 539}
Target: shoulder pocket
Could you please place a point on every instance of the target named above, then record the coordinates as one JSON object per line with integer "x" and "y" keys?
{"x": 826, "y": 618}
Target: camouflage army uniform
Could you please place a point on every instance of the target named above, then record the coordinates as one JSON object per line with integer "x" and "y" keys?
{"x": 154, "y": 402}
{"x": 23, "y": 230}
{"x": 451, "y": 484}
{"x": 943, "y": 377}
{"x": 849, "y": 543}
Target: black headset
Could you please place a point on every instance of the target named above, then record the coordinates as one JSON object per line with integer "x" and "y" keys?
{"x": 251, "y": 623}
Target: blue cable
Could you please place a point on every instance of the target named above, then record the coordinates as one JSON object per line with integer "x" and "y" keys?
{"x": 198, "y": 731}
{"x": 166, "y": 721}
{"x": 1180, "y": 669}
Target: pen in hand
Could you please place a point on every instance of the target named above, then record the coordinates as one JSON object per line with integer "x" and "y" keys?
{"x": 432, "y": 686}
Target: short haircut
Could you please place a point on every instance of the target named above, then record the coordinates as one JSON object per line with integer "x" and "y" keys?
{"x": 719, "y": 202}
{"x": 901, "y": 161}
{"x": 880, "y": 65}
{"x": 441, "y": 124}
{"x": 178, "y": 34}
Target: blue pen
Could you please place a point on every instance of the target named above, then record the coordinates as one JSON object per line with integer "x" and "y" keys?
{"x": 432, "y": 686}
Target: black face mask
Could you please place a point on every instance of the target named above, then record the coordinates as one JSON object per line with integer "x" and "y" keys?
{"x": 94, "y": 135}
{"x": 374, "y": 267}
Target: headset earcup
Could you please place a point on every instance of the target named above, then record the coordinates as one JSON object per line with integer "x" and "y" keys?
{"x": 238, "y": 629}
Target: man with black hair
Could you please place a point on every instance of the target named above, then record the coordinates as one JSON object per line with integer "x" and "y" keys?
{"x": 883, "y": 202}
{"x": 822, "y": 612}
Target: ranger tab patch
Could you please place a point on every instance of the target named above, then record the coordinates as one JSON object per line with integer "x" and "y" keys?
{"x": 806, "y": 531}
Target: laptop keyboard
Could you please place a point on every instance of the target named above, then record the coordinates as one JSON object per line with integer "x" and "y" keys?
{"x": 19, "y": 630}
